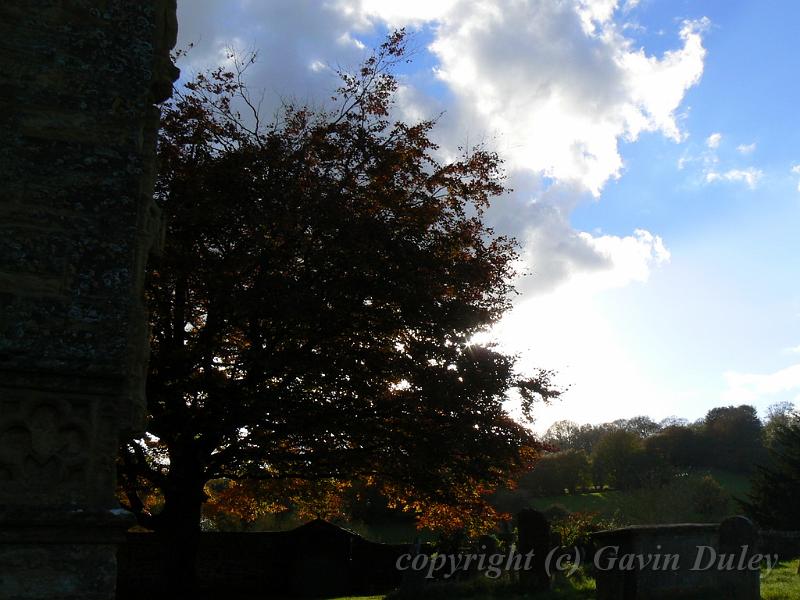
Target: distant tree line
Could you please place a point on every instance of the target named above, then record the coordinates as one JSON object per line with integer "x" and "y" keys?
{"x": 639, "y": 452}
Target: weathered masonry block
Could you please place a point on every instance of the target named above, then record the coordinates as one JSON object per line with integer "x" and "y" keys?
{"x": 688, "y": 561}
{"x": 79, "y": 81}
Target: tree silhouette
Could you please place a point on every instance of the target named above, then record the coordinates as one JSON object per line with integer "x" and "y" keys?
{"x": 566, "y": 470}
{"x": 613, "y": 458}
{"x": 776, "y": 483}
{"x": 313, "y": 310}
{"x": 734, "y": 435}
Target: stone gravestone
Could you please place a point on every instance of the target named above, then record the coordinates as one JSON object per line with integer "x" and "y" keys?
{"x": 413, "y": 580}
{"x": 533, "y": 532}
{"x": 78, "y": 85}
{"x": 488, "y": 546}
{"x": 691, "y": 561}
{"x": 738, "y": 537}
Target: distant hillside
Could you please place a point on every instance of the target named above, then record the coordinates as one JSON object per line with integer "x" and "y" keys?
{"x": 688, "y": 498}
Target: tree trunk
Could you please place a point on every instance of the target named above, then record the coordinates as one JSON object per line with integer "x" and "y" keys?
{"x": 178, "y": 525}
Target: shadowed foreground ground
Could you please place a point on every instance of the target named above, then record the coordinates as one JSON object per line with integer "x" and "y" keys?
{"x": 781, "y": 584}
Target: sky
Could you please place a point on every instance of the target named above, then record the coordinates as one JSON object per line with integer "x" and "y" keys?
{"x": 654, "y": 153}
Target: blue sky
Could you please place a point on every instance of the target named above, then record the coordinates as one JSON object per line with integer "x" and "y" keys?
{"x": 651, "y": 146}
{"x": 729, "y": 299}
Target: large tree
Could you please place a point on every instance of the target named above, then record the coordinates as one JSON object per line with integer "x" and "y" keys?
{"x": 734, "y": 435}
{"x": 776, "y": 482}
{"x": 616, "y": 458}
{"x": 313, "y": 310}
{"x": 680, "y": 446}
{"x": 566, "y": 470}
{"x": 779, "y": 414}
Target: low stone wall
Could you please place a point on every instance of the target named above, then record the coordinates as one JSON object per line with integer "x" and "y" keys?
{"x": 317, "y": 559}
{"x": 686, "y": 561}
{"x": 786, "y": 544}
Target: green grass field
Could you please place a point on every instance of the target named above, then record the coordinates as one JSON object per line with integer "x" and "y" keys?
{"x": 736, "y": 484}
{"x": 655, "y": 506}
{"x": 783, "y": 583}
{"x": 605, "y": 502}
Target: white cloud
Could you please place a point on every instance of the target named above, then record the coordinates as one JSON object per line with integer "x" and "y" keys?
{"x": 557, "y": 110}
{"x": 586, "y": 263}
{"x": 555, "y": 254}
{"x": 399, "y": 13}
{"x": 634, "y": 26}
{"x": 746, "y": 148}
{"x": 630, "y": 5}
{"x": 750, "y": 176}
{"x": 631, "y": 256}
{"x": 299, "y": 44}
{"x": 761, "y": 388}
{"x": 659, "y": 85}
{"x": 560, "y": 108}
{"x": 347, "y": 39}
{"x": 553, "y": 85}
{"x": 796, "y": 171}
{"x": 708, "y": 162}
{"x": 713, "y": 140}
{"x": 594, "y": 13}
